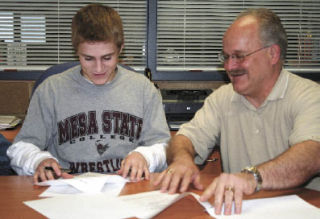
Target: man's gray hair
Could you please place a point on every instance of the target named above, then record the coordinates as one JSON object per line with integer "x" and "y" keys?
{"x": 271, "y": 29}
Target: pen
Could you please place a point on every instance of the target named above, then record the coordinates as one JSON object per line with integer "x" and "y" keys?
{"x": 62, "y": 169}
{"x": 212, "y": 160}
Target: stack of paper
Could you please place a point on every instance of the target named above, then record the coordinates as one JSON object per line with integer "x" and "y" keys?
{"x": 87, "y": 183}
{"x": 8, "y": 122}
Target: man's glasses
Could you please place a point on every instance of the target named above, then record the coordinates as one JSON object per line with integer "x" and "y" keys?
{"x": 239, "y": 58}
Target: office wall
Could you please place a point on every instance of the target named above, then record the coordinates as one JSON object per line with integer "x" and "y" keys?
{"x": 14, "y": 97}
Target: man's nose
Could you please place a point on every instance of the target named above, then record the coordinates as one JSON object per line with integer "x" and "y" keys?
{"x": 230, "y": 64}
{"x": 98, "y": 66}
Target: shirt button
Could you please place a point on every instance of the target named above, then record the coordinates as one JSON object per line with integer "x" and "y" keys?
{"x": 257, "y": 131}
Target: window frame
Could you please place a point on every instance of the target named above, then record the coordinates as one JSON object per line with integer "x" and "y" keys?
{"x": 151, "y": 61}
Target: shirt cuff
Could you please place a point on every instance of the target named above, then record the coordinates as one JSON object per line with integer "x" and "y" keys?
{"x": 155, "y": 156}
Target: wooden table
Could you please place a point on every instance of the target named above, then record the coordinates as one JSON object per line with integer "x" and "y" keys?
{"x": 10, "y": 134}
{"x": 16, "y": 189}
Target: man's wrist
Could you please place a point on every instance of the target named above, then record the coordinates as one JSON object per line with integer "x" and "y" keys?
{"x": 256, "y": 174}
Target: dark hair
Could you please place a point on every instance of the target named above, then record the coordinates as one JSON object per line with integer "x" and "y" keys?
{"x": 96, "y": 22}
{"x": 271, "y": 29}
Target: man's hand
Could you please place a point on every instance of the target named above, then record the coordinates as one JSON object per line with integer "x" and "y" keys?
{"x": 229, "y": 188}
{"x": 180, "y": 173}
{"x": 42, "y": 174}
{"x": 134, "y": 166}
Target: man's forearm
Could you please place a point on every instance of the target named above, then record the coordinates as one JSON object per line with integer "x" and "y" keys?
{"x": 293, "y": 167}
{"x": 180, "y": 147}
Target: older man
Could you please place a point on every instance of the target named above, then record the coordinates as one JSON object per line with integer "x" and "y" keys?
{"x": 267, "y": 121}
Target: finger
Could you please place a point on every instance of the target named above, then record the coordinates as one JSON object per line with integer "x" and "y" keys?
{"x": 66, "y": 176}
{"x": 42, "y": 175}
{"x": 186, "y": 180}
{"x": 56, "y": 168}
{"x": 139, "y": 174}
{"x": 166, "y": 182}
{"x": 228, "y": 201}
{"x": 196, "y": 182}
{"x": 175, "y": 182}
{"x": 159, "y": 178}
{"x": 238, "y": 196}
{"x": 121, "y": 168}
{"x": 50, "y": 175}
{"x": 133, "y": 174}
{"x": 126, "y": 170}
{"x": 36, "y": 177}
{"x": 208, "y": 192}
{"x": 146, "y": 173}
{"x": 218, "y": 198}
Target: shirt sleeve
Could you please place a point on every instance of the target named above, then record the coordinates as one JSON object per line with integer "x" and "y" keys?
{"x": 305, "y": 113}
{"x": 25, "y": 157}
{"x": 155, "y": 156}
{"x": 204, "y": 129}
{"x": 155, "y": 128}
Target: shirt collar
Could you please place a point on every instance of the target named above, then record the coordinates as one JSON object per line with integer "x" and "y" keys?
{"x": 108, "y": 82}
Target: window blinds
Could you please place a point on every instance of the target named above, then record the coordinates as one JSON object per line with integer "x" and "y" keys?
{"x": 189, "y": 33}
{"x": 36, "y": 34}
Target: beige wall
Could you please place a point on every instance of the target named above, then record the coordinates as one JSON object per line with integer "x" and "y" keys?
{"x": 15, "y": 95}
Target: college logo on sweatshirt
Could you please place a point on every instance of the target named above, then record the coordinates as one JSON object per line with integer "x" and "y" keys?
{"x": 101, "y": 146}
{"x": 84, "y": 126}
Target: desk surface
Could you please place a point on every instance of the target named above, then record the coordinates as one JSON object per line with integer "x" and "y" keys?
{"x": 16, "y": 189}
{"x": 10, "y": 134}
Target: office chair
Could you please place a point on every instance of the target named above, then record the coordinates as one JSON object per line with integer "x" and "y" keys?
{"x": 5, "y": 167}
{"x": 55, "y": 69}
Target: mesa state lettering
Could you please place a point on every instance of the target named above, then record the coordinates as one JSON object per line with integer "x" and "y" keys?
{"x": 84, "y": 127}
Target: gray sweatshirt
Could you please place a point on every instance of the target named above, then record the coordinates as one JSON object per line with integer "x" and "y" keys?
{"x": 90, "y": 127}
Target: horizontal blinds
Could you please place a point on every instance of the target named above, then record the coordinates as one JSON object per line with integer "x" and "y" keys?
{"x": 37, "y": 34}
{"x": 189, "y": 33}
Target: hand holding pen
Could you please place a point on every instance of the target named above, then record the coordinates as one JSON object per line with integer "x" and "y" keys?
{"x": 49, "y": 169}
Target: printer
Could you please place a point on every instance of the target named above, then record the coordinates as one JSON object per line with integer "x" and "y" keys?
{"x": 181, "y": 105}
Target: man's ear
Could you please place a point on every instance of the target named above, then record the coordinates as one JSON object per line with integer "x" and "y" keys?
{"x": 275, "y": 53}
{"x": 120, "y": 51}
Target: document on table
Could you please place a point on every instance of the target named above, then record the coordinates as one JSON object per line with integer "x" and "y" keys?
{"x": 93, "y": 206}
{"x": 141, "y": 205}
{"x": 291, "y": 206}
{"x": 145, "y": 205}
{"x": 85, "y": 183}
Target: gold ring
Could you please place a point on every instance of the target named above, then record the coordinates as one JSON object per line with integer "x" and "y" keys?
{"x": 170, "y": 171}
{"x": 229, "y": 189}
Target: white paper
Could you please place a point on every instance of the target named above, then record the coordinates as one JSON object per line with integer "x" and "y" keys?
{"x": 291, "y": 206}
{"x": 86, "y": 183}
{"x": 149, "y": 204}
{"x": 93, "y": 206}
{"x": 141, "y": 205}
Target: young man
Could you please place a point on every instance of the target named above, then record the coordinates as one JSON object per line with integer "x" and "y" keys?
{"x": 267, "y": 121}
{"x": 90, "y": 117}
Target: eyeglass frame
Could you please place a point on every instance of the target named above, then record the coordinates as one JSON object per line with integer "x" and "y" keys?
{"x": 239, "y": 58}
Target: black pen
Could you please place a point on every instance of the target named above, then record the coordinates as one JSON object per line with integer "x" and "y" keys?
{"x": 63, "y": 170}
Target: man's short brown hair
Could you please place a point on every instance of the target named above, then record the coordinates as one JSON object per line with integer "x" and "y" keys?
{"x": 97, "y": 22}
